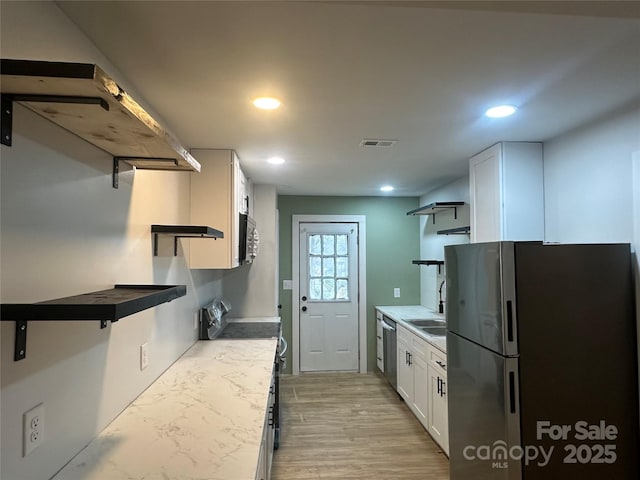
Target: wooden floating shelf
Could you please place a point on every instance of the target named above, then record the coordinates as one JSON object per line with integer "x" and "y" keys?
{"x": 105, "y": 305}
{"x": 455, "y": 231}
{"x": 437, "y": 207}
{"x": 84, "y": 100}
{"x": 182, "y": 231}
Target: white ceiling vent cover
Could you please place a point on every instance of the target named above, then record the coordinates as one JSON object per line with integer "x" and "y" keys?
{"x": 376, "y": 142}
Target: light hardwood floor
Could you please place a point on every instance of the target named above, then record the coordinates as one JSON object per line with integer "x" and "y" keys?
{"x": 351, "y": 427}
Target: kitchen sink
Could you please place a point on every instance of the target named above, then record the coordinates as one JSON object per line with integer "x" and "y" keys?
{"x": 427, "y": 323}
{"x": 435, "y": 331}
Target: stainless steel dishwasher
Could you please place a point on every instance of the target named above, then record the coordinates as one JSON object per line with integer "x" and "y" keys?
{"x": 390, "y": 350}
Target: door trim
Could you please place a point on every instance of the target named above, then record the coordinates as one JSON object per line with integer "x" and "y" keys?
{"x": 362, "y": 292}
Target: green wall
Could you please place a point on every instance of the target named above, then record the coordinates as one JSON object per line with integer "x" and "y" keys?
{"x": 392, "y": 243}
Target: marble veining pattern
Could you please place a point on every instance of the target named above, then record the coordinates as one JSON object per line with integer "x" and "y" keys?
{"x": 416, "y": 312}
{"x": 202, "y": 419}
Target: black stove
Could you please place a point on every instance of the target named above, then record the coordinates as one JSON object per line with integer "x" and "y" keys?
{"x": 245, "y": 330}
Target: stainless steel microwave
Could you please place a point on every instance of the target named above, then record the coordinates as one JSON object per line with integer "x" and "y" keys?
{"x": 249, "y": 239}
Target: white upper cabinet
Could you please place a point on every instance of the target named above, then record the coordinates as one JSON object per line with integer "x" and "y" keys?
{"x": 218, "y": 195}
{"x": 507, "y": 196}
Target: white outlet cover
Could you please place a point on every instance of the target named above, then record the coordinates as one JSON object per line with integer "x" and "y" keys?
{"x": 144, "y": 355}
{"x": 287, "y": 285}
{"x": 396, "y": 292}
{"x": 32, "y": 429}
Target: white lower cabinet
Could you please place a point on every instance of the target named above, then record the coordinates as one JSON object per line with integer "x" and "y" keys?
{"x": 412, "y": 372}
{"x": 438, "y": 416}
{"x": 422, "y": 383}
{"x": 263, "y": 471}
{"x": 379, "y": 342}
{"x": 405, "y": 372}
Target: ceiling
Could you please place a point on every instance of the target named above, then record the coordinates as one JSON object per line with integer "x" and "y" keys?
{"x": 421, "y": 73}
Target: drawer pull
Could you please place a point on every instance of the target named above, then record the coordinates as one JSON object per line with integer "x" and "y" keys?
{"x": 443, "y": 365}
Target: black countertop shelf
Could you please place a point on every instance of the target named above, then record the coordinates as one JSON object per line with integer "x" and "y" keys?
{"x": 182, "y": 231}
{"x": 439, "y": 263}
{"x": 455, "y": 231}
{"x": 436, "y": 207}
{"x": 105, "y": 305}
{"x": 84, "y": 100}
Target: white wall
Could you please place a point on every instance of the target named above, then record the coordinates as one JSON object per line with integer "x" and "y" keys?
{"x": 432, "y": 245}
{"x": 66, "y": 231}
{"x": 588, "y": 181}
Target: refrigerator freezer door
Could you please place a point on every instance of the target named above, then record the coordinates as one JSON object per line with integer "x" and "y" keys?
{"x": 481, "y": 299}
{"x": 484, "y": 412}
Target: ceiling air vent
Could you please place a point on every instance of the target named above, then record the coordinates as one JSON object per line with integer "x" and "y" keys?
{"x": 375, "y": 142}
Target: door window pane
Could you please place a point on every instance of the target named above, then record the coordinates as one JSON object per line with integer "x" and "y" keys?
{"x": 328, "y": 289}
{"x": 328, "y": 267}
{"x": 342, "y": 289}
{"x": 327, "y": 244}
{"x": 315, "y": 247}
{"x": 315, "y": 289}
{"x": 315, "y": 266}
{"x": 342, "y": 266}
{"x": 341, "y": 244}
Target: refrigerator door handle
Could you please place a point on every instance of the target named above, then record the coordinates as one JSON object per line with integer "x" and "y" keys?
{"x": 512, "y": 392}
{"x": 509, "y": 303}
{"x": 512, "y": 414}
{"x": 509, "y": 321}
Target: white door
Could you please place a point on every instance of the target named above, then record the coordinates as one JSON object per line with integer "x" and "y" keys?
{"x": 328, "y": 297}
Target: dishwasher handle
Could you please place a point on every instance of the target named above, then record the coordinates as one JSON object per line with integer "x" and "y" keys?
{"x": 286, "y": 346}
{"x": 386, "y": 326}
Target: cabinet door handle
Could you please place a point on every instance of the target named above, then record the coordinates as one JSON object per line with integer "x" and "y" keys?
{"x": 439, "y": 387}
{"x": 409, "y": 358}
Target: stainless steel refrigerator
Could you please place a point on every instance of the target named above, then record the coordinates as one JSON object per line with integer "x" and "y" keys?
{"x": 542, "y": 361}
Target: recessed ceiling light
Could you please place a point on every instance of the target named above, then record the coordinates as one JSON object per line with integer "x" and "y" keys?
{"x": 266, "y": 103}
{"x": 275, "y": 160}
{"x": 500, "y": 111}
{"x": 386, "y": 188}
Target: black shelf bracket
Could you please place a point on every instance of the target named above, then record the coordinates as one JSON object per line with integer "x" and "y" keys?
{"x": 20, "y": 350}
{"x": 7, "y": 100}
{"x": 182, "y": 231}
{"x": 136, "y": 162}
{"x": 439, "y": 263}
{"x": 436, "y": 207}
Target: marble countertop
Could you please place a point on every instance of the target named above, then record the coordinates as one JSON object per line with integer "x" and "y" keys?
{"x": 403, "y": 313}
{"x": 201, "y": 419}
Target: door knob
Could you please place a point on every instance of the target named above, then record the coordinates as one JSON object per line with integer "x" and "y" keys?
{"x": 304, "y": 298}
{"x": 304, "y": 309}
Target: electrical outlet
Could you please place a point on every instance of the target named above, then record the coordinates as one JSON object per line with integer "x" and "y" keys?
{"x": 287, "y": 284}
{"x": 144, "y": 355}
{"x": 32, "y": 429}
{"x": 396, "y": 292}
